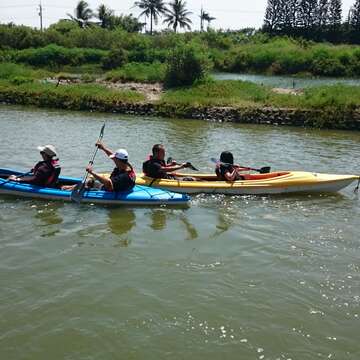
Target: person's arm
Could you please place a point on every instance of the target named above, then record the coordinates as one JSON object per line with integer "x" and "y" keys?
{"x": 172, "y": 168}
{"x": 104, "y": 148}
{"x": 40, "y": 176}
{"x": 103, "y": 179}
{"x": 230, "y": 175}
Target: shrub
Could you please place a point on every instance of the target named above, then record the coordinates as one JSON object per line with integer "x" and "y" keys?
{"x": 116, "y": 58}
{"x": 53, "y": 55}
{"x": 18, "y": 80}
{"x": 185, "y": 65}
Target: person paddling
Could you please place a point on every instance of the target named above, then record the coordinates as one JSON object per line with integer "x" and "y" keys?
{"x": 123, "y": 175}
{"x": 45, "y": 172}
{"x": 226, "y": 170}
{"x": 156, "y": 167}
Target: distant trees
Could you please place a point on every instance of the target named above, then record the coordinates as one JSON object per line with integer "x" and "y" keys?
{"x": 82, "y": 14}
{"x": 177, "y": 15}
{"x": 104, "y": 14}
{"x": 205, "y": 16}
{"x": 153, "y": 9}
{"x": 317, "y": 20}
{"x": 354, "y": 23}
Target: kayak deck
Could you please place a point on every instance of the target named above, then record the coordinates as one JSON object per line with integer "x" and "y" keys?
{"x": 139, "y": 195}
{"x": 254, "y": 184}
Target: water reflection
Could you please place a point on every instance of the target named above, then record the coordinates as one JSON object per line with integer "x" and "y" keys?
{"x": 190, "y": 228}
{"x": 226, "y": 216}
{"x": 158, "y": 219}
{"x": 49, "y": 217}
{"x": 121, "y": 221}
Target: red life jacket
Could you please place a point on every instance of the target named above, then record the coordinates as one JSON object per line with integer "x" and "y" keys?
{"x": 53, "y": 178}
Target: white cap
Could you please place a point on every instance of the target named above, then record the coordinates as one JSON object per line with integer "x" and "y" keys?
{"x": 120, "y": 154}
{"x": 48, "y": 150}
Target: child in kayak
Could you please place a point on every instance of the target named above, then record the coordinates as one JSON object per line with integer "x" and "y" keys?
{"x": 46, "y": 172}
{"x": 226, "y": 170}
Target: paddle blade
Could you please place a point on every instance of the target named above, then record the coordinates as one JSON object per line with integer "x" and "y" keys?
{"x": 192, "y": 167}
{"x": 102, "y": 131}
{"x": 265, "y": 170}
{"x": 77, "y": 193}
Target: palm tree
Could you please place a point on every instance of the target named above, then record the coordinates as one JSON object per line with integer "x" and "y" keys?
{"x": 177, "y": 15}
{"x": 82, "y": 14}
{"x": 152, "y": 9}
{"x": 205, "y": 16}
{"x": 104, "y": 14}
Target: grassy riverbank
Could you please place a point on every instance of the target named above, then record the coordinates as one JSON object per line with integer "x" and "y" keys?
{"x": 247, "y": 94}
{"x": 326, "y": 106}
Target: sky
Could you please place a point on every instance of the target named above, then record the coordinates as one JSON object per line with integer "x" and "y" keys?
{"x": 229, "y": 14}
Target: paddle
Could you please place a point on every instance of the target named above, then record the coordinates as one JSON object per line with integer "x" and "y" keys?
{"x": 77, "y": 193}
{"x": 263, "y": 170}
{"x": 188, "y": 164}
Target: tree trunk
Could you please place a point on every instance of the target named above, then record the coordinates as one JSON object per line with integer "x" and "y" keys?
{"x": 151, "y": 22}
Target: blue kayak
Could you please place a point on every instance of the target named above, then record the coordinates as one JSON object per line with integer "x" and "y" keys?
{"x": 139, "y": 195}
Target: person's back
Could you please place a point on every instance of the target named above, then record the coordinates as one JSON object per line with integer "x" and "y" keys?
{"x": 45, "y": 173}
{"x": 225, "y": 169}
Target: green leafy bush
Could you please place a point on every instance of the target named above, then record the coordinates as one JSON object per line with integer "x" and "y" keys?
{"x": 57, "y": 55}
{"x": 117, "y": 57}
{"x": 185, "y": 65}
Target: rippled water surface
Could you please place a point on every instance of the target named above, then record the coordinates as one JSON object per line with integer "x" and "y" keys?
{"x": 227, "y": 278}
{"x": 284, "y": 81}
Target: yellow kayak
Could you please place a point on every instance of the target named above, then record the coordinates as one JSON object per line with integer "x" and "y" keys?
{"x": 254, "y": 184}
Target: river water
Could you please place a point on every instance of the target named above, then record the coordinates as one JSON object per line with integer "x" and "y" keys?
{"x": 229, "y": 277}
{"x": 286, "y": 81}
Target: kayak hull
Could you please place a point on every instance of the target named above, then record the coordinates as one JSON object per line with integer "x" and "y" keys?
{"x": 139, "y": 195}
{"x": 272, "y": 183}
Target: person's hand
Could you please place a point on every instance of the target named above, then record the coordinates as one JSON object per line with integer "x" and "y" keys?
{"x": 89, "y": 169}
{"x": 100, "y": 145}
{"x": 13, "y": 178}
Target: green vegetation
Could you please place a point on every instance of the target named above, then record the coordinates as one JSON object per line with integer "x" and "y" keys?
{"x": 13, "y": 72}
{"x": 247, "y": 94}
{"x": 186, "y": 65}
{"x": 138, "y": 72}
{"x": 54, "y": 55}
{"x": 75, "y": 97}
{"x": 242, "y": 51}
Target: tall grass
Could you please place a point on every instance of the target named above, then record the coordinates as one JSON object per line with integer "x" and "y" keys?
{"x": 81, "y": 96}
{"x": 247, "y": 94}
{"x": 138, "y": 72}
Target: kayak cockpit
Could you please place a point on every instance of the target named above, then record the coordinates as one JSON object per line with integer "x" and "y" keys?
{"x": 213, "y": 177}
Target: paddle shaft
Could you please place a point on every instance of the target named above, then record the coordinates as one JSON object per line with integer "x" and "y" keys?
{"x": 20, "y": 176}
{"x": 77, "y": 192}
{"x": 91, "y": 162}
{"x": 240, "y": 166}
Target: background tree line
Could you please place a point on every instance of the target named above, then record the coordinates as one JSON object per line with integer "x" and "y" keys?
{"x": 175, "y": 14}
{"x": 319, "y": 20}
